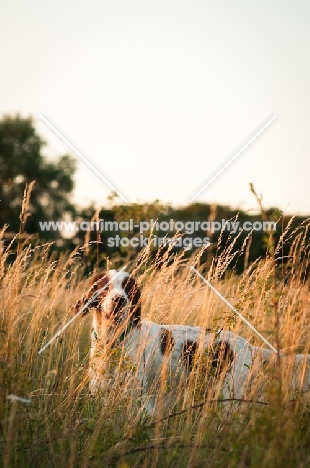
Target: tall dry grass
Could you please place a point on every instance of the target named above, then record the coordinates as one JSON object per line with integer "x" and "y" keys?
{"x": 64, "y": 427}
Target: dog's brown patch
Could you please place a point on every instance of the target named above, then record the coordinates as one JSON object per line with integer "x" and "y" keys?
{"x": 189, "y": 350}
{"x": 222, "y": 357}
{"x": 166, "y": 341}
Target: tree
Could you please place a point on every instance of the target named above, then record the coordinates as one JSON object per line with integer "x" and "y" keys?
{"x": 22, "y": 161}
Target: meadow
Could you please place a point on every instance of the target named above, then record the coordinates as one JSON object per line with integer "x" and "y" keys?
{"x": 62, "y": 426}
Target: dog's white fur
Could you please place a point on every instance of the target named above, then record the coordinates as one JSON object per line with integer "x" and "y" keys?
{"x": 155, "y": 349}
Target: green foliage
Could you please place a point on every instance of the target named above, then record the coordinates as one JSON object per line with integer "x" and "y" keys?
{"x": 21, "y": 162}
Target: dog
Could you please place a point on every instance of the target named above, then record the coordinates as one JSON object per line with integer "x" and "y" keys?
{"x": 165, "y": 356}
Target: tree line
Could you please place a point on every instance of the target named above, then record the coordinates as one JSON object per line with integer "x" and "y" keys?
{"x": 23, "y": 165}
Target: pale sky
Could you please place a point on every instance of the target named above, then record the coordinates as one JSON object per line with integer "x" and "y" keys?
{"x": 159, "y": 95}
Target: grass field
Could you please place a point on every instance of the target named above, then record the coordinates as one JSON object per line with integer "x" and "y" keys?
{"x": 63, "y": 427}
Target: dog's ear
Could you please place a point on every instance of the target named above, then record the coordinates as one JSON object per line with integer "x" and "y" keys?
{"x": 97, "y": 282}
{"x": 132, "y": 290}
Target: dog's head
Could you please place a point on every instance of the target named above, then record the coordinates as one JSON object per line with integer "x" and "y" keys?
{"x": 116, "y": 297}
